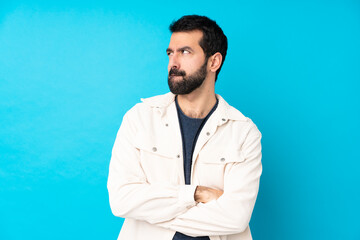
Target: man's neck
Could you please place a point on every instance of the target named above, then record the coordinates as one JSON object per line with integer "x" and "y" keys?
{"x": 198, "y": 103}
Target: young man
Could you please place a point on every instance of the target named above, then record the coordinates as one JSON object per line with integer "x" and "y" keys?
{"x": 186, "y": 165}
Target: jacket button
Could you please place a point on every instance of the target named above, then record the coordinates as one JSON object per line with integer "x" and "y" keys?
{"x": 208, "y": 133}
{"x": 222, "y": 159}
{"x": 178, "y": 156}
{"x": 154, "y": 149}
{"x": 166, "y": 125}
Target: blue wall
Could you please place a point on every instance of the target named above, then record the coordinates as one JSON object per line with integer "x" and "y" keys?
{"x": 70, "y": 70}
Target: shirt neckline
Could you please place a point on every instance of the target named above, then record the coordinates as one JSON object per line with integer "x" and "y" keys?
{"x": 199, "y": 119}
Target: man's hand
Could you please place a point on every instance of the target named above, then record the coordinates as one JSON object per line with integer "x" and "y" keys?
{"x": 206, "y": 194}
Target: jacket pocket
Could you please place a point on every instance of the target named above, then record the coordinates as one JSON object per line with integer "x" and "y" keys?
{"x": 211, "y": 165}
{"x": 157, "y": 161}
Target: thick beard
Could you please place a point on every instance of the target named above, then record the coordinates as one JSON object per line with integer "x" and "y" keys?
{"x": 187, "y": 84}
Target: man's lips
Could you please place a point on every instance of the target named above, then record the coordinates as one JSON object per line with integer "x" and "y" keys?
{"x": 175, "y": 73}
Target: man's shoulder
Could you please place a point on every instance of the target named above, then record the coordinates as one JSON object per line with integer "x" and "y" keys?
{"x": 148, "y": 104}
{"x": 231, "y": 112}
{"x": 162, "y": 100}
{"x": 235, "y": 114}
{"x": 238, "y": 118}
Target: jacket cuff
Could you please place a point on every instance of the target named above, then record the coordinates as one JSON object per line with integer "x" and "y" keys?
{"x": 186, "y": 195}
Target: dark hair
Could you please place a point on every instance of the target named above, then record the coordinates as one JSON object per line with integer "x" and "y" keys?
{"x": 213, "y": 40}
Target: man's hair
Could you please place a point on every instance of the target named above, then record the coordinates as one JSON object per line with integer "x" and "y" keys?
{"x": 213, "y": 40}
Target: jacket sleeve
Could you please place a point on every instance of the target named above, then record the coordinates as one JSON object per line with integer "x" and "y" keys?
{"x": 231, "y": 213}
{"x": 130, "y": 194}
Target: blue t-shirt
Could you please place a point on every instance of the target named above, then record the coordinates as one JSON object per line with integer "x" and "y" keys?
{"x": 190, "y": 130}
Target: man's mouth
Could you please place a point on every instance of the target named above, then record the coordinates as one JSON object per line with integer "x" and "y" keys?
{"x": 176, "y": 72}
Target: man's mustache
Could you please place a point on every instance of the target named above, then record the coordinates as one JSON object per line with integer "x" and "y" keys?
{"x": 177, "y": 72}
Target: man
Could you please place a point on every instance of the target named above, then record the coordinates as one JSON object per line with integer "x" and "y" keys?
{"x": 186, "y": 165}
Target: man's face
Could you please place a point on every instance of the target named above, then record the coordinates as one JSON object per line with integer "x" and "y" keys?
{"x": 187, "y": 63}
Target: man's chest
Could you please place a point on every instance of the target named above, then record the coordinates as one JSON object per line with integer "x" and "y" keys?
{"x": 161, "y": 154}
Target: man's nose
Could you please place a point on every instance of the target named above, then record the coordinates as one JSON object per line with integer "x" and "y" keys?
{"x": 174, "y": 62}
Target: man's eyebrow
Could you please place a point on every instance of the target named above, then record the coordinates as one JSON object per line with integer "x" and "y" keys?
{"x": 181, "y": 49}
{"x": 186, "y": 48}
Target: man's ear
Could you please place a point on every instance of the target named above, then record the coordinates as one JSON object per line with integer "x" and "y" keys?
{"x": 215, "y": 61}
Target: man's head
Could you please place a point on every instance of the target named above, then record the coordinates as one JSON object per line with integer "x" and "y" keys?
{"x": 194, "y": 40}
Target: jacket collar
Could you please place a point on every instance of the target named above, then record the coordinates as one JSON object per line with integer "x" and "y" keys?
{"x": 224, "y": 110}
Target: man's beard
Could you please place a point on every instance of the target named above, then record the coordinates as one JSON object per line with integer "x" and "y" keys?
{"x": 187, "y": 84}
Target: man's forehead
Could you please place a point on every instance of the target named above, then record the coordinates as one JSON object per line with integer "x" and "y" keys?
{"x": 185, "y": 38}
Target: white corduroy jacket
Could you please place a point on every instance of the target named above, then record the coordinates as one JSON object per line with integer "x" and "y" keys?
{"x": 146, "y": 177}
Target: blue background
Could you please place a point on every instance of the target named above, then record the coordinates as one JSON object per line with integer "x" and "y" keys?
{"x": 69, "y": 71}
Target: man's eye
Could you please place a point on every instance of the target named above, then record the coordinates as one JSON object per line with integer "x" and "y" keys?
{"x": 186, "y": 51}
{"x": 169, "y": 53}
